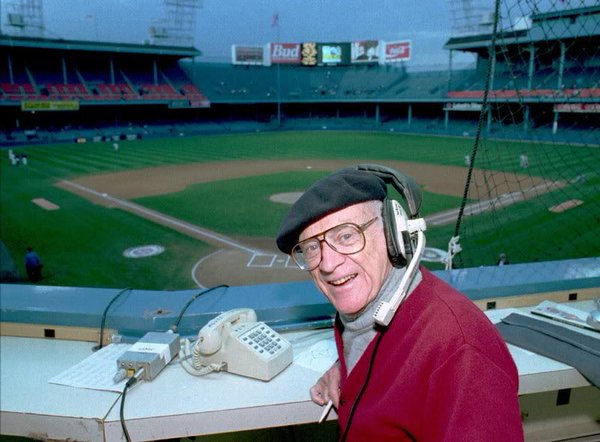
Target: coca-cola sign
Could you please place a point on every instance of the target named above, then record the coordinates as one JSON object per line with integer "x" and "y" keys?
{"x": 285, "y": 53}
{"x": 397, "y": 51}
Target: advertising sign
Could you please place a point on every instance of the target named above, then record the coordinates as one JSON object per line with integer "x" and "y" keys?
{"x": 464, "y": 106}
{"x": 309, "y": 54}
{"x": 333, "y": 53}
{"x": 247, "y": 54}
{"x": 366, "y": 51}
{"x": 397, "y": 51}
{"x": 66, "y": 105}
{"x": 591, "y": 108}
{"x": 285, "y": 53}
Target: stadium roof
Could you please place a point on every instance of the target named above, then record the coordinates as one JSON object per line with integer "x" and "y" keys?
{"x": 546, "y": 27}
{"x": 91, "y": 46}
{"x": 565, "y": 13}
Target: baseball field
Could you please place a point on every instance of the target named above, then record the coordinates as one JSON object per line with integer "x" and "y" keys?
{"x": 197, "y": 211}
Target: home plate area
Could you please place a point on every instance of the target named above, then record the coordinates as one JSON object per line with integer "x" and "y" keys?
{"x": 271, "y": 261}
{"x": 238, "y": 267}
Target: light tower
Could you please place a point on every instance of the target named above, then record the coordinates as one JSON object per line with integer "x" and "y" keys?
{"x": 178, "y": 28}
{"x": 22, "y": 18}
{"x": 471, "y": 17}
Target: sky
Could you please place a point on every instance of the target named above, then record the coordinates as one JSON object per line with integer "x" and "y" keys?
{"x": 222, "y": 23}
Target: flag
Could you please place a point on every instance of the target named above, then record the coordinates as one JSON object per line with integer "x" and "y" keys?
{"x": 275, "y": 21}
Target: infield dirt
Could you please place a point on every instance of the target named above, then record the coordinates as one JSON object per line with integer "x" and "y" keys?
{"x": 235, "y": 266}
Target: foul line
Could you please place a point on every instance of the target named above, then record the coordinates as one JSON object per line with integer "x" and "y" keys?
{"x": 478, "y": 207}
{"x": 164, "y": 219}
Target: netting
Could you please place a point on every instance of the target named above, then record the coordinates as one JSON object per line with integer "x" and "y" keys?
{"x": 537, "y": 84}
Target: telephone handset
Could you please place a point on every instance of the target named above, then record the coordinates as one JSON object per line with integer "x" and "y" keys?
{"x": 211, "y": 335}
{"x": 243, "y": 346}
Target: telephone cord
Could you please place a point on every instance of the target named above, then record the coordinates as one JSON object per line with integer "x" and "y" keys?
{"x": 196, "y": 368}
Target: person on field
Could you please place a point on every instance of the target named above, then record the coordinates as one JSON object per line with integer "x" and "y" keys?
{"x": 33, "y": 265}
{"x": 439, "y": 369}
{"x": 502, "y": 260}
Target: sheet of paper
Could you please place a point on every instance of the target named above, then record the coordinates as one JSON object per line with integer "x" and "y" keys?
{"x": 95, "y": 372}
{"x": 563, "y": 313}
{"x": 319, "y": 356}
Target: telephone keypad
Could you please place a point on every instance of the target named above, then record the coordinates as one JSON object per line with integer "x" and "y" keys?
{"x": 263, "y": 339}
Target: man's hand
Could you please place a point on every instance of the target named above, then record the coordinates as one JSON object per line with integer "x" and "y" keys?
{"x": 327, "y": 387}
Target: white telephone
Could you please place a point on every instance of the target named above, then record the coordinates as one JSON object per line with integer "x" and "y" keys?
{"x": 237, "y": 343}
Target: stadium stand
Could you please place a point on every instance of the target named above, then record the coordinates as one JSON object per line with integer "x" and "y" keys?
{"x": 90, "y": 72}
{"x": 98, "y": 79}
{"x": 89, "y": 88}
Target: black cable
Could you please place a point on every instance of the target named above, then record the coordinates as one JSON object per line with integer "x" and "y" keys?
{"x": 175, "y": 326}
{"x": 364, "y": 386}
{"x": 130, "y": 383}
{"x": 482, "y": 114}
{"x": 104, "y": 314}
{"x": 122, "y": 414}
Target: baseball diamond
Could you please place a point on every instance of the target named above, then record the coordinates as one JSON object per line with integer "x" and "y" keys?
{"x": 243, "y": 261}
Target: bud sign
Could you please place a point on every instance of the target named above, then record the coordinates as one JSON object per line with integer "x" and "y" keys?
{"x": 285, "y": 53}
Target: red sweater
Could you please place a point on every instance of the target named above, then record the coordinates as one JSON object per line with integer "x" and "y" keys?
{"x": 442, "y": 372}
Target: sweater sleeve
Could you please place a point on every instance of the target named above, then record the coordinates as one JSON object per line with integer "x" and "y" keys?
{"x": 468, "y": 402}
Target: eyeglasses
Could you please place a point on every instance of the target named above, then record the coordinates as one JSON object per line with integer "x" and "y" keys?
{"x": 347, "y": 239}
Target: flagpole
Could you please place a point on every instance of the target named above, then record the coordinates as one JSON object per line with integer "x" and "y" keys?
{"x": 278, "y": 75}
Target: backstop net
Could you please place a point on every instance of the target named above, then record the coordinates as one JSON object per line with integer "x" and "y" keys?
{"x": 536, "y": 93}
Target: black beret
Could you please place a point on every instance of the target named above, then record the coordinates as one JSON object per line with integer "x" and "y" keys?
{"x": 336, "y": 191}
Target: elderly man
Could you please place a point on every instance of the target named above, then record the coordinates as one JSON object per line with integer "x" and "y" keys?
{"x": 439, "y": 370}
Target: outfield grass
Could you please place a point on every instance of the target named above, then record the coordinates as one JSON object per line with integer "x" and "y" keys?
{"x": 82, "y": 243}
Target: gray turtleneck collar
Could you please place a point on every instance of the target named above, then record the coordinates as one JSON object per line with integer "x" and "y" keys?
{"x": 359, "y": 330}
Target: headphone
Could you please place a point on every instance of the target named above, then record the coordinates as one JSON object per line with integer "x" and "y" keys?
{"x": 403, "y": 233}
{"x": 400, "y": 246}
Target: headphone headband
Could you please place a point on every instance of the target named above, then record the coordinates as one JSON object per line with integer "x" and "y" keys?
{"x": 404, "y": 184}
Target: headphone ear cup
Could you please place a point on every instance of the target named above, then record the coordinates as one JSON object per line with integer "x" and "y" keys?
{"x": 394, "y": 246}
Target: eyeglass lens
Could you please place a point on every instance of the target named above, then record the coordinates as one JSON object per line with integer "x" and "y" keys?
{"x": 345, "y": 239}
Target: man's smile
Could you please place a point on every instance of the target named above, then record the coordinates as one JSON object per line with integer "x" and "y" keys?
{"x": 344, "y": 280}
